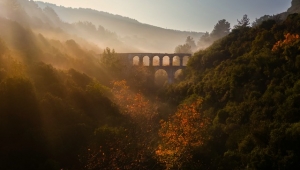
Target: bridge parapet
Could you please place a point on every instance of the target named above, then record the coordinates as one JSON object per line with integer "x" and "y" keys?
{"x": 141, "y": 56}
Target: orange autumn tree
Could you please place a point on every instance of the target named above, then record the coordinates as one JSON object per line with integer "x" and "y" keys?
{"x": 142, "y": 113}
{"x": 183, "y": 132}
{"x": 289, "y": 40}
{"x": 289, "y": 49}
{"x": 132, "y": 104}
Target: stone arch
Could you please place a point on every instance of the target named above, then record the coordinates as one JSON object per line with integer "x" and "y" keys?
{"x": 176, "y": 61}
{"x": 146, "y": 61}
{"x": 155, "y": 60}
{"x": 177, "y": 73}
{"x": 166, "y": 60}
{"x": 135, "y": 60}
{"x": 161, "y": 77}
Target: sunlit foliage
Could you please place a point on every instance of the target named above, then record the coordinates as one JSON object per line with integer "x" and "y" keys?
{"x": 130, "y": 146}
{"x": 132, "y": 104}
{"x": 290, "y": 40}
{"x": 249, "y": 83}
{"x": 59, "y": 111}
{"x": 183, "y": 132}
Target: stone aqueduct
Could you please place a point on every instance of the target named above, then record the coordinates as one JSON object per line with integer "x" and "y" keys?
{"x": 170, "y": 67}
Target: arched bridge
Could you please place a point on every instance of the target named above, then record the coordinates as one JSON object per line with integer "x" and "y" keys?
{"x": 165, "y": 61}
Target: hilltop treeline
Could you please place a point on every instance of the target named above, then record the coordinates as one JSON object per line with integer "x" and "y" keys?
{"x": 249, "y": 82}
{"x": 144, "y": 37}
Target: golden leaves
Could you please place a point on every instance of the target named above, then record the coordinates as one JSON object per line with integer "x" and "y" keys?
{"x": 134, "y": 146}
{"x": 132, "y": 104}
{"x": 183, "y": 131}
{"x": 289, "y": 39}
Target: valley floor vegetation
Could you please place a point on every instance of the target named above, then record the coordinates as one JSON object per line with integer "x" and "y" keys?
{"x": 236, "y": 106}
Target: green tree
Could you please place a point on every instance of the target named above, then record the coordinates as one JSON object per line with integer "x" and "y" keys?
{"x": 244, "y": 22}
{"x": 260, "y": 20}
{"x": 108, "y": 57}
{"x": 204, "y": 41}
{"x": 221, "y": 29}
{"x": 188, "y": 47}
{"x": 110, "y": 61}
{"x": 190, "y": 41}
{"x": 185, "y": 48}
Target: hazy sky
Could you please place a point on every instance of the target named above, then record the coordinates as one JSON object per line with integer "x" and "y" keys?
{"x": 188, "y": 15}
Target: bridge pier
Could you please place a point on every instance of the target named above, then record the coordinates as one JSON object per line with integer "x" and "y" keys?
{"x": 181, "y": 61}
{"x": 161, "y": 61}
{"x": 150, "y": 60}
{"x": 171, "y": 60}
{"x": 171, "y": 76}
{"x": 141, "y": 60}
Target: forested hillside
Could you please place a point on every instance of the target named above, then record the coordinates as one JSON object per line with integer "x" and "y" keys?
{"x": 58, "y": 101}
{"x": 63, "y": 106}
{"x": 47, "y": 22}
{"x": 144, "y": 37}
{"x": 249, "y": 82}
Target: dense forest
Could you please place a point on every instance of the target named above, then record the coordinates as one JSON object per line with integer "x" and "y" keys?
{"x": 249, "y": 84}
{"x": 64, "y": 106}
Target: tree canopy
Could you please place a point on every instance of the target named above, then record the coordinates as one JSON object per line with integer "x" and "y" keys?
{"x": 63, "y": 105}
{"x": 244, "y": 22}
{"x": 249, "y": 81}
{"x": 221, "y": 29}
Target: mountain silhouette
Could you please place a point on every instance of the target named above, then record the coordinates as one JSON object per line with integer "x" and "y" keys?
{"x": 132, "y": 32}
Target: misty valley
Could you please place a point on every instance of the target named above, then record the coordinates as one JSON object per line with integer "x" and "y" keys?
{"x": 82, "y": 89}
